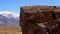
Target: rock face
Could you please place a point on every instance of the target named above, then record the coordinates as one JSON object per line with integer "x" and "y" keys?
{"x": 40, "y": 19}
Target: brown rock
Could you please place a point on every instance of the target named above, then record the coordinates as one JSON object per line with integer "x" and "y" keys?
{"x": 57, "y": 13}
{"x": 53, "y": 26}
{"x": 39, "y": 19}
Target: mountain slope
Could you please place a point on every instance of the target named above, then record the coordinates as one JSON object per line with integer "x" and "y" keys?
{"x": 9, "y": 19}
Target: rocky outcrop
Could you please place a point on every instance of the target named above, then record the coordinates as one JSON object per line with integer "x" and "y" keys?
{"x": 40, "y": 19}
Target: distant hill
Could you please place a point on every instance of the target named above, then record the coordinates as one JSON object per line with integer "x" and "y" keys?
{"x": 9, "y": 23}
{"x": 9, "y": 19}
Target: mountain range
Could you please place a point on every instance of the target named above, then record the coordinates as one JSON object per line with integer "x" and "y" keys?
{"x": 9, "y": 19}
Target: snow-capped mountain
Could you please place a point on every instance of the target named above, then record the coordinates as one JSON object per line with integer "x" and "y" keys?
{"x": 9, "y": 19}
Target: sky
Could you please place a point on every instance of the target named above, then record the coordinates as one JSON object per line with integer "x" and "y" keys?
{"x": 14, "y": 5}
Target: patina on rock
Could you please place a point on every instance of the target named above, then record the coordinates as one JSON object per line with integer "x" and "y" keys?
{"x": 40, "y": 19}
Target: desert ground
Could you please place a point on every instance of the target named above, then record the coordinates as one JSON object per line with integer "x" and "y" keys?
{"x": 10, "y": 30}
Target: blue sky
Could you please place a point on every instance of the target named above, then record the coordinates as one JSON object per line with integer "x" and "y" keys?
{"x": 14, "y": 5}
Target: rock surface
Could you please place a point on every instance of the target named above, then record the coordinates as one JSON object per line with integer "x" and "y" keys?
{"x": 40, "y": 19}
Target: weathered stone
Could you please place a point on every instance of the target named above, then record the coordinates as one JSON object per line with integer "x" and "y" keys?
{"x": 39, "y": 20}
{"x": 57, "y": 13}
{"x": 52, "y": 26}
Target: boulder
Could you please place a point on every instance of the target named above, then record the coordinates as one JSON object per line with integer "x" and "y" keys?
{"x": 39, "y": 20}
